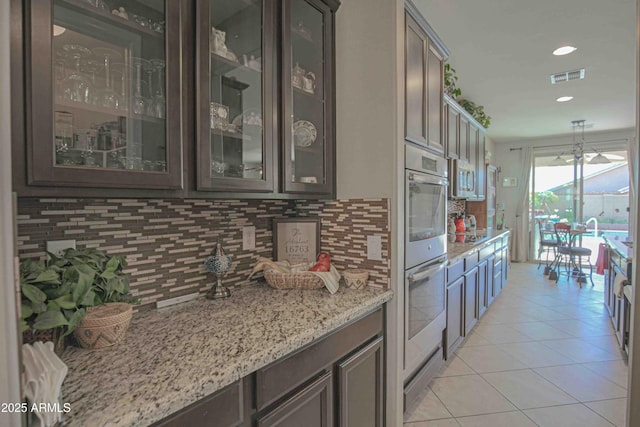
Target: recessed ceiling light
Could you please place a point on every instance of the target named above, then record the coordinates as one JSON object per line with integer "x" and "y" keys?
{"x": 564, "y": 50}
{"x": 564, "y": 98}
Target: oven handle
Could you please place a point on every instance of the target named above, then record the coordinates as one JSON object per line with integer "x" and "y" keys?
{"x": 414, "y": 277}
{"x": 425, "y": 179}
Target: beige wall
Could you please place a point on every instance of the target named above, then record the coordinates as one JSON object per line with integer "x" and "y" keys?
{"x": 365, "y": 98}
{"x": 370, "y": 142}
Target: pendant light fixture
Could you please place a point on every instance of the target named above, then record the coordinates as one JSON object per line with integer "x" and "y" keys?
{"x": 558, "y": 161}
{"x": 599, "y": 159}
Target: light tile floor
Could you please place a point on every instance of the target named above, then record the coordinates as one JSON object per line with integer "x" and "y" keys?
{"x": 542, "y": 355}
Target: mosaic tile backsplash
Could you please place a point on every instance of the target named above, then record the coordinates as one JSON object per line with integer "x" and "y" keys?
{"x": 166, "y": 241}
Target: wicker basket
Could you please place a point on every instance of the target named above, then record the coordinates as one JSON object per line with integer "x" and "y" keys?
{"x": 31, "y": 336}
{"x": 302, "y": 280}
{"x": 356, "y": 279}
{"x": 104, "y": 325}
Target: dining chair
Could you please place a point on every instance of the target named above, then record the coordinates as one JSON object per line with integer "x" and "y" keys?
{"x": 571, "y": 255}
{"x": 546, "y": 245}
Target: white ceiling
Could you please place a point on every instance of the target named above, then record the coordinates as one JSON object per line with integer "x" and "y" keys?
{"x": 501, "y": 50}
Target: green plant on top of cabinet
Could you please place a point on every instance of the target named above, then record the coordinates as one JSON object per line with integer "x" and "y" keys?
{"x": 424, "y": 88}
{"x": 103, "y": 95}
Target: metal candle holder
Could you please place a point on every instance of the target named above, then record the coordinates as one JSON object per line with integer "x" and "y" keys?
{"x": 218, "y": 263}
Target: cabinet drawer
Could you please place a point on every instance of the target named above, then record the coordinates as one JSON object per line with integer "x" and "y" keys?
{"x": 223, "y": 409}
{"x": 471, "y": 260}
{"x": 455, "y": 270}
{"x": 290, "y": 372}
{"x": 486, "y": 251}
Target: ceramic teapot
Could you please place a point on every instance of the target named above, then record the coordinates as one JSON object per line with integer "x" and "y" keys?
{"x": 297, "y": 76}
{"x": 309, "y": 82}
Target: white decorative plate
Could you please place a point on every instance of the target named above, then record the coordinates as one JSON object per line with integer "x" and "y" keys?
{"x": 304, "y": 133}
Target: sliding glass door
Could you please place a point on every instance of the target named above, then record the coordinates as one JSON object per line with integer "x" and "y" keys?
{"x": 593, "y": 189}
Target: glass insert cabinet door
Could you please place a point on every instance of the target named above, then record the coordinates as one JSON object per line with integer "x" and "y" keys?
{"x": 307, "y": 83}
{"x": 105, "y": 93}
{"x": 236, "y": 95}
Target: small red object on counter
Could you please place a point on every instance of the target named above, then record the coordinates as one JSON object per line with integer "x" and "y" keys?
{"x": 323, "y": 264}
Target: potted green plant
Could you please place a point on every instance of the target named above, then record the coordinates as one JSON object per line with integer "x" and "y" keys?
{"x": 476, "y": 111}
{"x": 451, "y": 81}
{"x": 57, "y": 292}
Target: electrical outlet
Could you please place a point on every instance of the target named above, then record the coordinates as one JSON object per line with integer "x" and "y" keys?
{"x": 57, "y": 246}
{"x": 374, "y": 248}
{"x": 248, "y": 238}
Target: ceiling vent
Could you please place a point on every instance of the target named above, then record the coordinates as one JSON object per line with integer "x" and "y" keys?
{"x": 565, "y": 76}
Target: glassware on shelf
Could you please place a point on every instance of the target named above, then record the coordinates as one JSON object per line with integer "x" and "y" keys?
{"x": 60, "y": 76}
{"x": 108, "y": 97}
{"x": 150, "y": 100}
{"x": 119, "y": 74}
{"x": 77, "y": 86}
{"x": 159, "y": 99}
{"x": 139, "y": 105}
{"x": 91, "y": 67}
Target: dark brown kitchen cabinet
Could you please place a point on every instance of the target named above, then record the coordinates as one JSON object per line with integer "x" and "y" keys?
{"x": 246, "y": 143}
{"x": 453, "y": 131}
{"x": 360, "y": 391}
{"x": 470, "y": 299}
{"x": 465, "y": 139}
{"x": 311, "y": 406}
{"x": 483, "y": 302}
{"x": 307, "y": 97}
{"x": 455, "y": 315}
{"x": 103, "y": 102}
{"x": 481, "y": 170}
{"x": 236, "y": 95}
{"x": 225, "y": 408}
{"x": 424, "y": 88}
{"x": 490, "y": 294}
{"x": 193, "y": 98}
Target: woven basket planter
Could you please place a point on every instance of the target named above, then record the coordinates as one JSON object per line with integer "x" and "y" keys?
{"x": 302, "y": 280}
{"x": 104, "y": 325}
{"x": 356, "y": 279}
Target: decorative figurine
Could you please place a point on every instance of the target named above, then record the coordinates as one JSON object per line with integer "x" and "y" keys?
{"x": 218, "y": 263}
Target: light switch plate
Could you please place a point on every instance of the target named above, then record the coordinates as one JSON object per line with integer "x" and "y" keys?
{"x": 248, "y": 238}
{"x": 57, "y": 246}
{"x": 374, "y": 248}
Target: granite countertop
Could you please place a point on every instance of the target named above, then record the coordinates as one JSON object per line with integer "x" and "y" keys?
{"x": 623, "y": 250}
{"x": 458, "y": 249}
{"x": 175, "y": 356}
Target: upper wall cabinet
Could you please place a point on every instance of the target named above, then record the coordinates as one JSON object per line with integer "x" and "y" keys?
{"x": 423, "y": 88}
{"x": 234, "y": 97}
{"x": 307, "y": 92}
{"x": 103, "y": 95}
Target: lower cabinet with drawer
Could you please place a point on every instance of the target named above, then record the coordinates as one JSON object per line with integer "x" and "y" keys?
{"x": 474, "y": 280}
{"x": 337, "y": 380}
{"x": 347, "y": 366}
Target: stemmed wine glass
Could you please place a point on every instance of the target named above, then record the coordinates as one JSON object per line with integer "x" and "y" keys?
{"x": 108, "y": 97}
{"x": 139, "y": 102}
{"x": 77, "y": 85}
{"x": 159, "y": 99}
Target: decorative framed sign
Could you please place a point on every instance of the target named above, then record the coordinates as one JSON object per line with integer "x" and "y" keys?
{"x": 296, "y": 239}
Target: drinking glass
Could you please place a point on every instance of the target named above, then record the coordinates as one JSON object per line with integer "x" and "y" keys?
{"x": 77, "y": 84}
{"x": 159, "y": 99}
{"x": 108, "y": 97}
{"x": 139, "y": 102}
{"x": 151, "y": 109}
